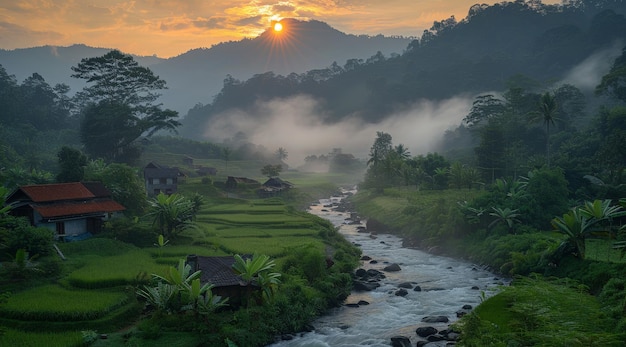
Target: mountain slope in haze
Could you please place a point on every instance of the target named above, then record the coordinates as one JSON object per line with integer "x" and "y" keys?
{"x": 480, "y": 53}
{"x": 197, "y": 75}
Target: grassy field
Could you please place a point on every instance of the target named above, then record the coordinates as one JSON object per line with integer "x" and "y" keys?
{"x": 100, "y": 274}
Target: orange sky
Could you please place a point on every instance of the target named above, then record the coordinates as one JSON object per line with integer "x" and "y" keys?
{"x": 169, "y": 28}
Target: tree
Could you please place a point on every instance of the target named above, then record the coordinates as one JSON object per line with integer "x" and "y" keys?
{"x": 281, "y": 154}
{"x": 172, "y": 214}
{"x": 124, "y": 183}
{"x": 547, "y": 114}
{"x": 379, "y": 150}
{"x": 270, "y": 170}
{"x": 118, "y": 106}
{"x": 504, "y": 215}
{"x": 72, "y": 163}
{"x": 257, "y": 271}
{"x": 614, "y": 83}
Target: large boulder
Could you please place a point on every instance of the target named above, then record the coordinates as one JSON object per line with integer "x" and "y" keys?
{"x": 400, "y": 341}
{"x": 425, "y": 331}
{"x": 361, "y": 286}
{"x": 392, "y": 268}
{"x": 435, "y": 319}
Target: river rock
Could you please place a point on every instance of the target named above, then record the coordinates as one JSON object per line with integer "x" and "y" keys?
{"x": 407, "y": 285}
{"x": 435, "y": 337}
{"x": 392, "y": 268}
{"x": 400, "y": 341}
{"x": 435, "y": 319}
{"x": 425, "y": 331}
{"x": 361, "y": 286}
{"x": 417, "y": 289}
{"x": 401, "y": 292}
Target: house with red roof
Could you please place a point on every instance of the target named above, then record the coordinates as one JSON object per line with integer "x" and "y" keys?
{"x": 73, "y": 210}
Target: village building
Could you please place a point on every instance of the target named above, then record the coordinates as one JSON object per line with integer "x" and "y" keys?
{"x": 73, "y": 210}
{"x": 240, "y": 182}
{"x": 219, "y": 272}
{"x": 274, "y": 186}
{"x": 161, "y": 179}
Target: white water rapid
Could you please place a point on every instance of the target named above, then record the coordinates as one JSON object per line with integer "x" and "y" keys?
{"x": 447, "y": 285}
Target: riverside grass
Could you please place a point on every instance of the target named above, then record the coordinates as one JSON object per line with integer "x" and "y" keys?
{"x": 539, "y": 312}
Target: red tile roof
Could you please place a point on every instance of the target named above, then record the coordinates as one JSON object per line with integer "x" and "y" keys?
{"x": 78, "y": 208}
{"x": 56, "y": 192}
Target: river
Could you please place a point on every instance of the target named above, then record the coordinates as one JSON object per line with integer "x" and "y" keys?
{"x": 446, "y": 285}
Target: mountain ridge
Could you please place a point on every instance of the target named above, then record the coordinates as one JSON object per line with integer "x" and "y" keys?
{"x": 197, "y": 75}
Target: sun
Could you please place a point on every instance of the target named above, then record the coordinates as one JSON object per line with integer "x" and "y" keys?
{"x": 278, "y": 27}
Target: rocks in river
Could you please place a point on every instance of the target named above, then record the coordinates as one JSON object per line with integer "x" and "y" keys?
{"x": 417, "y": 289}
{"x": 434, "y": 337}
{"x": 435, "y": 319}
{"x": 463, "y": 311}
{"x": 392, "y": 268}
{"x": 367, "y": 280}
{"x": 407, "y": 285}
{"x": 426, "y": 331}
{"x": 366, "y": 257}
{"x": 400, "y": 341}
{"x": 401, "y": 292}
{"x": 361, "y": 286}
{"x": 358, "y": 304}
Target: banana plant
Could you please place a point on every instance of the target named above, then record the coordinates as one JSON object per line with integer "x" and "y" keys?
{"x": 576, "y": 226}
{"x": 180, "y": 276}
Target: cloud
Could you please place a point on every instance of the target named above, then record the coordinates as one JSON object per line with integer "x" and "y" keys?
{"x": 297, "y": 125}
{"x": 588, "y": 74}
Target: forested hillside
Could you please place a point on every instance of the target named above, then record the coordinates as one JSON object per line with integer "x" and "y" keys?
{"x": 470, "y": 56}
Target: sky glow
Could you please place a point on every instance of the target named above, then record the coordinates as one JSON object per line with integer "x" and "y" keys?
{"x": 168, "y": 28}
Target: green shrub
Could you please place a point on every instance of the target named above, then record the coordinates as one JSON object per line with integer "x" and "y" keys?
{"x": 17, "y": 233}
{"x": 131, "y": 231}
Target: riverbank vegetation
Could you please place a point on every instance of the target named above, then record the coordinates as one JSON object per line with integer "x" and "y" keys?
{"x": 550, "y": 214}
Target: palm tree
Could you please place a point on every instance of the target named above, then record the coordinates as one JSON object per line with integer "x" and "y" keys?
{"x": 402, "y": 152}
{"x": 548, "y": 108}
{"x": 172, "y": 214}
{"x": 505, "y": 215}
